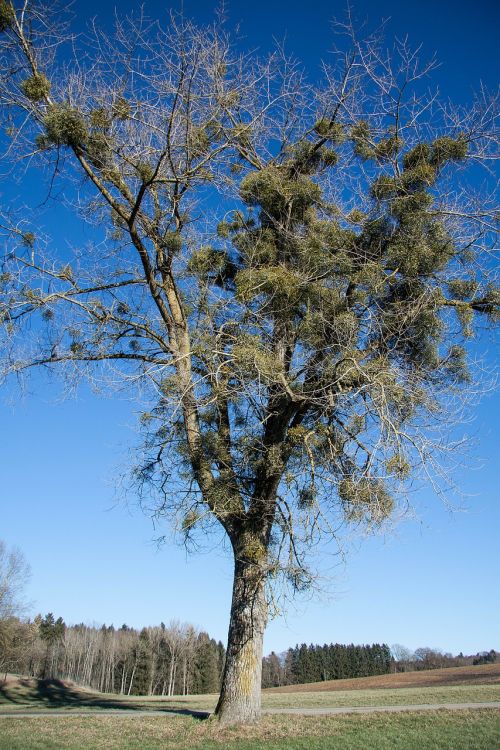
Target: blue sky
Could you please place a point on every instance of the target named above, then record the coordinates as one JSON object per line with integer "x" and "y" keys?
{"x": 431, "y": 583}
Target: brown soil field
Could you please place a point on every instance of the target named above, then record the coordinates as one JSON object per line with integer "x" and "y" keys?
{"x": 484, "y": 674}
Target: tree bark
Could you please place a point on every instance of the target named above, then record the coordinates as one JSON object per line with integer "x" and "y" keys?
{"x": 240, "y": 698}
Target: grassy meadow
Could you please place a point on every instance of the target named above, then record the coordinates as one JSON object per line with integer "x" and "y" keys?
{"x": 25, "y": 695}
{"x": 459, "y": 729}
{"x": 434, "y": 730}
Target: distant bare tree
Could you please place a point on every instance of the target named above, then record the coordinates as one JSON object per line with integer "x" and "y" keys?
{"x": 17, "y": 639}
{"x": 14, "y": 576}
{"x": 15, "y": 636}
{"x": 402, "y": 655}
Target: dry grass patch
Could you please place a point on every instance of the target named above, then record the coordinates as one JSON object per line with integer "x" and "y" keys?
{"x": 440, "y": 730}
{"x": 398, "y": 697}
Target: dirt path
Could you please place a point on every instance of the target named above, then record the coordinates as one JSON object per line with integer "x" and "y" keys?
{"x": 301, "y": 711}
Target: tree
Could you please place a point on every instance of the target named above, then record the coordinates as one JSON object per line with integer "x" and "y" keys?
{"x": 14, "y": 575}
{"x": 17, "y": 640}
{"x": 487, "y": 657}
{"x": 401, "y": 653}
{"x": 207, "y": 674}
{"x": 272, "y": 671}
{"x": 52, "y": 634}
{"x": 15, "y": 636}
{"x": 290, "y": 271}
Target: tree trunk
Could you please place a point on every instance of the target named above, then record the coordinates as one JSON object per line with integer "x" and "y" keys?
{"x": 171, "y": 676}
{"x": 131, "y": 679}
{"x": 240, "y": 697}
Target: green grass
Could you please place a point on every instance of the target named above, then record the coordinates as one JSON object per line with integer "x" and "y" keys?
{"x": 386, "y": 697}
{"x": 352, "y": 698}
{"x": 22, "y": 698}
{"x": 435, "y": 730}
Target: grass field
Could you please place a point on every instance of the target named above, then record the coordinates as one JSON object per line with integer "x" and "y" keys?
{"x": 450, "y": 686}
{"x": 439, "y": 730}
{"x": 25, "y": 699}
{"x": 477, "y": 729}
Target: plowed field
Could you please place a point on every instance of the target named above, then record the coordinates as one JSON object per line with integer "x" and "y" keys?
{"x": 484, "y": 674}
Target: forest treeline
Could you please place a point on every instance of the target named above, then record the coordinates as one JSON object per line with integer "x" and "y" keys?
{"x": 329, "y": 662}
{"x": 178, "y": 659}
{"x": 173, "y": 659}
{"x": 312, "y": 663}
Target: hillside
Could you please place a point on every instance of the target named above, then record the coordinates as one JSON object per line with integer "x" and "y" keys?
{"x": 478, "y": 675}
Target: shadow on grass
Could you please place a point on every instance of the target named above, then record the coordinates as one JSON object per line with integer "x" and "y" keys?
{"x": 55, "y": 694}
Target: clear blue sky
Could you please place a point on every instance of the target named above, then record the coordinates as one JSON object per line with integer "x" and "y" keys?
{"x": 433, "y": 582}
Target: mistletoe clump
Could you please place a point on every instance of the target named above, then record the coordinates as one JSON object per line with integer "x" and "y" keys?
{"x": 274, "y": 191}
{"x": 332, "y": 131}
{"x": 6, "y": 16}
{"x": 100, "y": 118}
{"x": 36, "y": 88}
{"x": 365, "y": 499}
{"x": 121, "y": 109}
{"x": 65, "y": 126}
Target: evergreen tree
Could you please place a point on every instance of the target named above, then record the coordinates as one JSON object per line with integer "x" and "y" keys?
{"x": 290, "y": 676}
{"x": 142, "y": 658}
{"x": 51, "y": 632}
{"x": 206, "y": 678}
{"x": 332, "y": 662}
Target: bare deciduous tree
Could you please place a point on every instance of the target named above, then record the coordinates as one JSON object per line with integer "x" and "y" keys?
{"x": 292, "y": 270}
{"x": 15, "y": 636}
{"x": 14, "y": 576}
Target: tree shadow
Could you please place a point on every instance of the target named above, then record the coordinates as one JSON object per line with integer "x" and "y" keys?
{"x": 56, "y": 694}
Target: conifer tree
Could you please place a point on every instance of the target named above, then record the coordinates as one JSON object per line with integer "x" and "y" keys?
{"x": 142, "y": 657}
{"x": 293, "y": 270}
{"x": 207, "y": 673}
